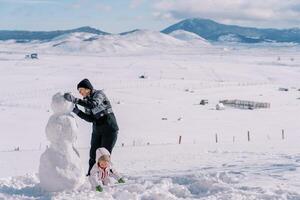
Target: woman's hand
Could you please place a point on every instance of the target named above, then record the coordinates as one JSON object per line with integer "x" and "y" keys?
{"x": 70, "y": 98}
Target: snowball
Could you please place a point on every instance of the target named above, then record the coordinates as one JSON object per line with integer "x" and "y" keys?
{"x": 59, "y": 105}
{"x": 61, "y": 128}
{"x": 60, "y": 171}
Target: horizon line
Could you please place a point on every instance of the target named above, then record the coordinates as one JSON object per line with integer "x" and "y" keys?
{"x": 99, "y": 29}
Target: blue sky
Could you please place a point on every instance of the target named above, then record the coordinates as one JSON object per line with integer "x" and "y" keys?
{"x": 123, "y": 15}
{"x": 110, "y": 16}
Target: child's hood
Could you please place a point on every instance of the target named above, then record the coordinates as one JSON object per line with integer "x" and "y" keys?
{"x": 100, "y": 152}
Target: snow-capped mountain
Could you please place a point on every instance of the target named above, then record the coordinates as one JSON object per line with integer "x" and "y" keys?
{"x": 131, "y": 42}
{"x": 25, "y": 36}
{"x": 138, "y": 41}
{"x": 205, "y": 28}
{"x": 214, "y": 31}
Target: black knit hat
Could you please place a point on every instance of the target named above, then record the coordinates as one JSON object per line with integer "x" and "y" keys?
{"x": 85, "y": 83}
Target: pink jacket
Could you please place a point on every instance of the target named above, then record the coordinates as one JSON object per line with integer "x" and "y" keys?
{"x": 99, "y": 176}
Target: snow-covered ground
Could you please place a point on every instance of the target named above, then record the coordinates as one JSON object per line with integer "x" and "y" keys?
{"x": 154, "y": 165}
{"x": 177, "y": 172}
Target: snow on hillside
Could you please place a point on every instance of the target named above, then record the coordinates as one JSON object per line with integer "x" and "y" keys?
{"x": 229, "y": 38}
{"x": 190, "y": 37}
{"x": 73, "y": 37}
{"x": 152, "y": 113}
{"x": 212, "y": 31}
{"x": 137, "y": 42}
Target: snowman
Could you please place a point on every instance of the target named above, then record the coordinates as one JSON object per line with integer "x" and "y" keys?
{"x": 60, "y": 166}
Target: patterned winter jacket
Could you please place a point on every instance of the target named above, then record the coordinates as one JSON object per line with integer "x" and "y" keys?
{"x": 98, "y": 110}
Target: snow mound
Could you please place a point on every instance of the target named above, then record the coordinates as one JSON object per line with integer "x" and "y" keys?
{"x": 73, "y": 37}
{"x": 147, "y": 37}
{"x": 187, "y": 185}
{"x": 141, "y": 40}
{"x": 60, "y": 170}
{"x": 135, "y": 42}
{"x": 188, "y": 36}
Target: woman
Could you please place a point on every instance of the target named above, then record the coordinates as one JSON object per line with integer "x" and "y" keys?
{"x": 98, "y": 111}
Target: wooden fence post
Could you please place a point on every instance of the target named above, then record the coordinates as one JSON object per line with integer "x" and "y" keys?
{"x": 217, "y": 138}
{"x": 180, "y": 139}
{"x": 248, "y": 136}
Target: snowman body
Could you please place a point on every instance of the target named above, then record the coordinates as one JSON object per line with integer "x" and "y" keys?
{"x": 60, "y": 165}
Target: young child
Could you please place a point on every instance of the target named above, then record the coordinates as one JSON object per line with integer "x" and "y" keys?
{"x": 103, "y": 170}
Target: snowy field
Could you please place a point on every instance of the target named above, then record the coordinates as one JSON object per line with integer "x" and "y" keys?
{"x": 154, "y": 164}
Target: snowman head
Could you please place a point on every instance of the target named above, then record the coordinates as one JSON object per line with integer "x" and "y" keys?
{"x": 59, "y": 105}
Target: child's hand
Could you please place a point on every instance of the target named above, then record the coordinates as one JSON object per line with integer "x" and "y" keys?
{"x": 121, "y": 180}
{"x": 99, "y": 188}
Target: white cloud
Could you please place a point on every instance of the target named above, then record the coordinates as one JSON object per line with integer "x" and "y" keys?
{"x": 273, "y": 13}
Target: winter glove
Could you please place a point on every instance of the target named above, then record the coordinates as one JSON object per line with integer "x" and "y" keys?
{"x": 70, "y": 98}
{"x": 121, "y": 180}
{"x": 99, "y": 188}
{"x": 76, "y": 110}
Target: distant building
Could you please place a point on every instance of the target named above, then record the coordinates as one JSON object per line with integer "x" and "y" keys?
{"x": 283, "y": 89}
{"x": 242, "y": 104}
{"x": 143, "y": 76}
{"x": 204, "y": 101}
{"x": 32, "y": 56}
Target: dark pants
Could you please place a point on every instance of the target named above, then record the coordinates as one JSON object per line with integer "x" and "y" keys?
{"x": 106, "y": 140}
